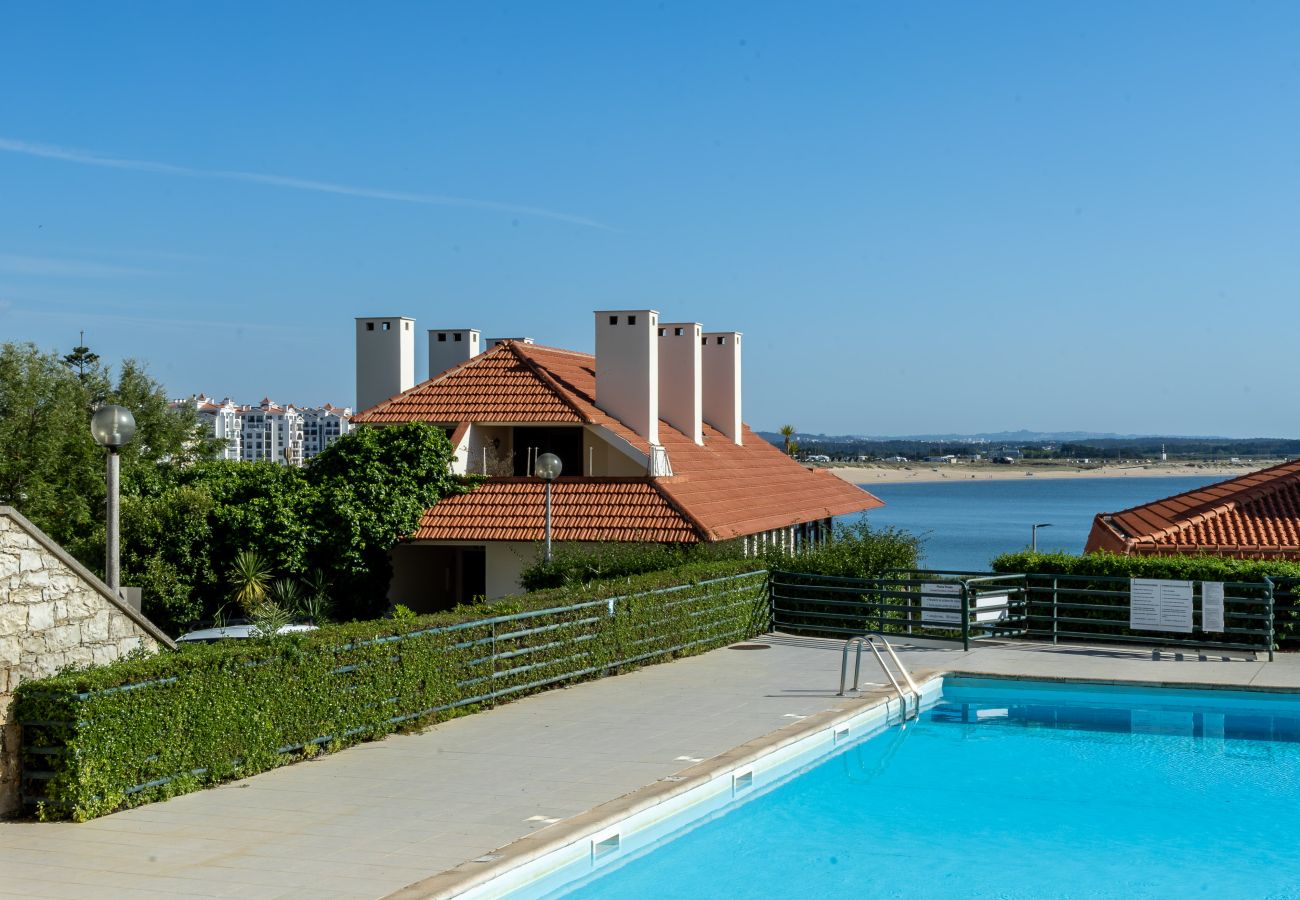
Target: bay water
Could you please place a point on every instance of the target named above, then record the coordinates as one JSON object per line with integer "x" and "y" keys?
{"x": 965, "y": 524}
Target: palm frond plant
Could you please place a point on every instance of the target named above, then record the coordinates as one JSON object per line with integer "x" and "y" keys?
{"x": 249, "y": 577}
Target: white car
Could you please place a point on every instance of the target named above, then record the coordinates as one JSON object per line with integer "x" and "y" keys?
{"x": 235, "y": 632}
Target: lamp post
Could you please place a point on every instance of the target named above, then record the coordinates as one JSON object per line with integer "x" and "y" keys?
{"x": 548, "y": 467}
{"x": 1033, "y": 535}
{"x": 112, "y": 427}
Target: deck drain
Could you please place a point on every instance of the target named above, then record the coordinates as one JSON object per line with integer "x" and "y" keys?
{"x": 491, "y": 857}
{"x": 750, "y": 647}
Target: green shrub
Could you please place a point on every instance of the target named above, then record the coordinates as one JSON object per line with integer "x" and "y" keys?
{"x": 576, "y": 564}
{"x": 856, "y": 551}
{"x": 142, "y": 729}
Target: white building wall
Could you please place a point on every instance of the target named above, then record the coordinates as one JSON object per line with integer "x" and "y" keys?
{"x": 720, "y": 357}
{"x": 385, "y": 358}
{"x": 680, "y": 385}
{"x": 627, "y": 368}
{"x": 450, "y": 347}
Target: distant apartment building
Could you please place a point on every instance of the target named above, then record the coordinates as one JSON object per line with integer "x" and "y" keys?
{"x": 288, "y": 435}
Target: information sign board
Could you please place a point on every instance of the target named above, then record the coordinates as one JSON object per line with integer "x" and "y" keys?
{"x": 1160, "y": 605}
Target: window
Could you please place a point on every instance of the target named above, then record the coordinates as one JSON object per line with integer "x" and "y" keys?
{"x": 386, "y": 326}
{"x": 721, "y": 340}
{"x": 442, "y": 337}
{"x": 679, "y": 331}
{"x": 613, "y": 320}
{"x": 458, "y": 337}
{"x": 370, "y": 326}
{"x": 662, "y": 331}
{"x": 631, "y": 320}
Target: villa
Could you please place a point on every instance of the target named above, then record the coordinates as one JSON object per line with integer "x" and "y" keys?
{"x": 1255, "y": 516}
{"x": 648, "y": 430}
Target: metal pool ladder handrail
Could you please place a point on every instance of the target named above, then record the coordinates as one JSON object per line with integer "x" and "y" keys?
{"x": 869, "y": 640}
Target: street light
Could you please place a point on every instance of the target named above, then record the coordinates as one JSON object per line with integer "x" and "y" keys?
{"x": 112, "y": 427}
{"x": 548, "y": 468}
{"x": 1033, "y": 535}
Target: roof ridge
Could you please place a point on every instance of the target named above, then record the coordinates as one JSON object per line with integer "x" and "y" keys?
{"x": 549, "y": 380}
{"x": 1249, "y": 492}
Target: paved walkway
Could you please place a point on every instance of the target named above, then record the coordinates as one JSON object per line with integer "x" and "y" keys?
{"x": 374, "y": 818}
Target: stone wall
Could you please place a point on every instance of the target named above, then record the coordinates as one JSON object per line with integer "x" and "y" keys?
{"x": 53, "y": 614}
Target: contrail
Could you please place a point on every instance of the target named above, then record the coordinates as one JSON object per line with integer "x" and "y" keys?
{"x": 88, "y": 158}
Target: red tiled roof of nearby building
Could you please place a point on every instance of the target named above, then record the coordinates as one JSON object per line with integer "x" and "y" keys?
{"x": 731, "y": 489}
{"x": 582, "y": 509}
{"x": 512, "y": 383}
{"x": 722, "y": 489}
{"x": 496, "y": 386}
{"x": 1253, "y": 516}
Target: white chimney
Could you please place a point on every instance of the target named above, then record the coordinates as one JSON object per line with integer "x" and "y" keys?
{"x": 450, "y": 347}
{"x": 680, "y": 400}
{"x": 385, "y": 358}
{"x": 627, "y": 368}
{"x": 720, "y": 365}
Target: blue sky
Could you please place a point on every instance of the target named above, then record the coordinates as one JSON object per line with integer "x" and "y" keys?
{"x": 939, "y": 217}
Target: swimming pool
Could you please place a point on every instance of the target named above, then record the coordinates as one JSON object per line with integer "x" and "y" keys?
{"x": 999, "y": 789}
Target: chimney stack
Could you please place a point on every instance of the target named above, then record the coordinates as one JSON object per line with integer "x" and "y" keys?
{"x": 385, "y": 358}
{"x": 627, "y": 368}
{"x": 680, "y": 386}
{"x": 720, "y": 364}
{"x": 450, "y": 347}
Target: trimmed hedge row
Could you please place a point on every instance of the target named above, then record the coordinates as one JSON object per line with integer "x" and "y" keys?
{"x": 143, "y": 729}
{"x": 1286, "y": 575}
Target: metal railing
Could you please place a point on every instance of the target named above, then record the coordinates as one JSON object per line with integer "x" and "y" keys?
{"x": 501, "y": 656}
{"x": 961, "y": 608}
{"x": 973, "y": 606}
{"x": 869, "y": 640}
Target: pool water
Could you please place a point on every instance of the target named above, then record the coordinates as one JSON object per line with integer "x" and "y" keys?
{"x": 1014, "y": 789}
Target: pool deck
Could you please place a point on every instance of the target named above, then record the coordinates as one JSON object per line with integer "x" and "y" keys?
{"x": 396, "y": 815}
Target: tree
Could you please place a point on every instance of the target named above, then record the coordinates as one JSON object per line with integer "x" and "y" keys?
{"x": 787, "y": 432}
{"x": 372, "y": 485}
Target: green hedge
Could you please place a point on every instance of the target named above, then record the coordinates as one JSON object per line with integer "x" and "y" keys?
{"x": 1286, "y": 575}
{"x": 143, "y": 729}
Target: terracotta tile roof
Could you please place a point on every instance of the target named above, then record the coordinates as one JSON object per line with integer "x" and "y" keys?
{"x": 582, "y": 509}
{"x": 722, "y": 489}
{"x": 1255, "y": 515}
{"x": 496, "y": 386}
{"x": 730, "y": 490}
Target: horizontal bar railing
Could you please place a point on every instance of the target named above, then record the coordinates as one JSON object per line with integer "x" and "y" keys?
{"x": 536, "y": 631}
{"x": 1037, "y": 606}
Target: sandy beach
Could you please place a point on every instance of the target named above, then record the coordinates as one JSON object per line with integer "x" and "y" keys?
{"x": 919, "y": 472}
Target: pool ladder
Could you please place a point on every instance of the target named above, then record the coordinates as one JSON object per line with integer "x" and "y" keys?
{"x": 869, "y": 640}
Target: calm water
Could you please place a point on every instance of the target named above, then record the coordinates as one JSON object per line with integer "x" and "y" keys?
{"x": 1011, "y": 792}
{"x": 967, "y": 523}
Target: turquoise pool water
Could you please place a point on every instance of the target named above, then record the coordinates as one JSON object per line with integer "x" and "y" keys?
{"x": 1014, "y": 789}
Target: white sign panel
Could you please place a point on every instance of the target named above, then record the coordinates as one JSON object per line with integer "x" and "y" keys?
{"x": 946, "y": 602}
{"x": 1212, "y": 606}
{"x": 1158, "y": 605}
{"x": 985, "y": 600}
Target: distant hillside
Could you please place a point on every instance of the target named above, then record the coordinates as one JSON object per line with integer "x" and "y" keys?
{"x": 1044, "y": 445}
{"x": 1007, "y": 437}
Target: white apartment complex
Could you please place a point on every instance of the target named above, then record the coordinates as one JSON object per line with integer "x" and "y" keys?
{"x": 288, "y": 435}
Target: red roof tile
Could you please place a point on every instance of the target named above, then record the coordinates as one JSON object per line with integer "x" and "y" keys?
{"x": 730, "y": 490}
{"x": 1255, "y": 515}
{"x": 496, "y": 386}
{"x": 582, "y": 509}
{"x": 723, "y": 490}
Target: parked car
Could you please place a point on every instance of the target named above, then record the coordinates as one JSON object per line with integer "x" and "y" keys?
{"x": 231, "y": 632}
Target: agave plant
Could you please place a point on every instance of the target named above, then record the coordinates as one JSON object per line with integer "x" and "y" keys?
{"x": 270, "y": 617}
{"x": 285, "y": 593}
{"x": 249, "y": 577}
